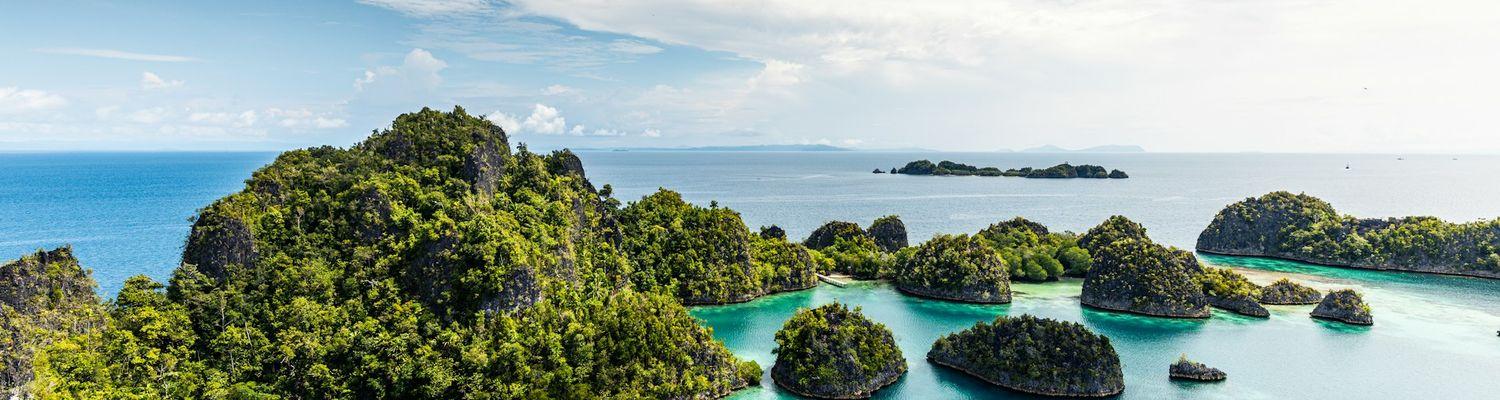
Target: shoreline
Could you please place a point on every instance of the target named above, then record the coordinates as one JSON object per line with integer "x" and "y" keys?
{"x": 1008, "y": 298}
{"x": 1327, "y": 264}
{"x": 1023, "y": 390}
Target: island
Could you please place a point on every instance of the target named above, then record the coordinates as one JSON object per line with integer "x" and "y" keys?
{"x": 1130, "y": 273}
{"x": 1194, "y": 371}
{"x": 1286, "y": 292}
{"x": 1304, "y": 228}
{"x": 1059, "y": 171}
{"x": 833, "y": 352}
{"x": 430, "y": 260}
{"x": 1228, "y": 290}
{"x": 1344, "y": 305}
{"x": 1034, "y": 254}
{"x": 1034, "y": 355}
{"x": 957, "y": 268}
{"x": 860, "y": 253}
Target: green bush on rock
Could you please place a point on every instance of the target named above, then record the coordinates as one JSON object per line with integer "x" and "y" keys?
{"x": 955, "y": 267}
{"x": 1133, "y": 274}
{"x": 1034, "y": 355}
{"x": 834, "y": 352}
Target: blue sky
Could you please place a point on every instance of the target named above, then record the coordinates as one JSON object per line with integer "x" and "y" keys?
{"x": 1336, "y": 75}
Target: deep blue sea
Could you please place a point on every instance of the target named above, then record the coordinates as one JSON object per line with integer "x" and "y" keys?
{"x": 1435, "y": 337}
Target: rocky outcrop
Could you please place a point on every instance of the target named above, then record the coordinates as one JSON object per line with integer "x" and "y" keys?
{"x": 1239, "y": 304}
{"x": 772, "y": 232}
{"x": 44, "y": 297}
{"x": 889, "y": 233}
{"x": 955, "y": 267}
{"x": 832, "y": 352}
{"x": 219, "y": 239}
{"x": 1303, "y": 228}
{"x": 1231, "y": 291}
{"x": 830, "y": 232}
{"x": 1345, "y": 306}
{"x": 1130, "y": 273}
{"x": 1117, "y": 174}
{"x": 1187, "y": 369}
{"x": 1034, "y": 355}
{"x": 1286, "y": 292}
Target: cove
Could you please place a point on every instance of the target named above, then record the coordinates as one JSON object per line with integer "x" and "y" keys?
{"x": 1434, "y": 337}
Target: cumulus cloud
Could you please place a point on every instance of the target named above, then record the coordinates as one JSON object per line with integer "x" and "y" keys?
{"x": 243, "y": 119}
{"x": 651, "y": 133}
{"x": 558, "y": 90}
{"x": 419, "y": 69}
{"x": 302, "y": 118}
{"x": 150, "y": 80}
{"x": 544, "y": 120}
{"x": 14, "y": 100}
{"x": 507, "y": 122}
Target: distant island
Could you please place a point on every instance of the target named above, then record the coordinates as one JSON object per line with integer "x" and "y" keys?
{"x": 1059, "y": 171}
{"x": 1113, "y": 148}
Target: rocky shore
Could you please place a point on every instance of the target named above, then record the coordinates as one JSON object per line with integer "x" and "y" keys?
{"x": 1187, "y": 369}
{"x": 1286, "y": 292}
{"x": 1034, "y": 355}
{"x": 1130, "y": 273}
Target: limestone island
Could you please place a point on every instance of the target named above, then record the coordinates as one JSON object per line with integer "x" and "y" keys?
{"x": 1286, "y": 292}
{"x": 1059, "y": 171}
{"x": 1345, "y": 306}
{"x": 1228, "y": 290}
{"x": 846, "y": 248}
{"x": 1130, "y": 273}
{"x": 1034, "y": 355}
{"x": 957, "y": 268}
{"x": 832, "y": 352}
{"x": 1195, "y": 371}
{"x": 1034, "y": 254}
{"x": 1303, "y": 228}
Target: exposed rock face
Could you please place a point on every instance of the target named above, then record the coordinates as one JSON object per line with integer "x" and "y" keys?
{"x": 878, "y": 171}
{"x": 1344, "y": 306}
{"x": 1303, "y": 228}
{"x": 832, "y": 352}
{"x": 217, "y": 240}
{"x": 1117, "y": 174}
{"x": 1132, "y": 274}
{"x": 955, "y": 267}
{"x": 830, "y": 232}
{"x": 772, "y": 232}
{"x": 1286, "y": 292}
{"x": 1239, "y": 304}
{"x": 889, "y": 233}
{"x": 44, "y": 297}
{"x": 1186, "y": 369}
{"x": 1034, "y": 355}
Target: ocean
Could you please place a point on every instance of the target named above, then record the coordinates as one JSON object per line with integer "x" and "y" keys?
{"x": 1434, "y": 336}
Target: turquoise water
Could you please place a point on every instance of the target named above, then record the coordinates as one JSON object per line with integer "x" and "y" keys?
{"x": 1434, "y": 336}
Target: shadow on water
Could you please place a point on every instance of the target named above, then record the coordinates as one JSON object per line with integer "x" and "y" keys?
{"x": 1340, "y": 327}
{"x": 1142, "y": 328}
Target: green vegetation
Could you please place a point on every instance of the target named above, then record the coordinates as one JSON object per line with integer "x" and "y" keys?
{"x": 860, "y": 257}
{"x": 428, "y": 261}
{"x": 1033, "y": 254}
{"x": 1304, "y": 228}
{"x": 831, "y": 232}
{"x": 44, "y": 297}
{"x": 1188, "y": 369}
{"x": 1231, "y": 291}
{"x": 863, "y": 254}
{"x": 955, "y": 267}
{"x": 834, "y": 352}
{"x": 1064, "y": 170}
{"x": 1344, "y": 305}
{"x": 1133, "y": 274}
{"x": 1034, "y": 355}
{"x": 1285, "y": 291}
{"x": 889, "y": 233}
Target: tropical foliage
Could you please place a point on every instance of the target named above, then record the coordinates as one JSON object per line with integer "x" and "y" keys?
{"x": 1035, "y": 355}
{"x": 833, "y": 351}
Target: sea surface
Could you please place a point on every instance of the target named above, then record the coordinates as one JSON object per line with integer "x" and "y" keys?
{"x": 1434, "y": 336}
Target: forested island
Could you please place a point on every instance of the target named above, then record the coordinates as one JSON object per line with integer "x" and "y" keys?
{"x": 1133, "y": 274}
{"x": 833, "y": 352}
{"x": 955, "y": 267}
{"x": 1059, "y": 171}
{"x": 1034, "y": 355}
{"x": 845, "y": 248}
{"x": 1304, "y": 228}
{"x": 1345, "y": 306}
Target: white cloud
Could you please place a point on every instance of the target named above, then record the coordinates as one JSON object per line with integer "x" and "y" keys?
{"x": 153, "y": 115}
{"x": 608, "y": 132}
{"x": 544, "y": 120}
{"x": 577, "y": 130}
{"x": 150, "y": 80}
{"x": 633, "y": 47}
{"x": 116, "y": 54}
{"x": 651, "y": 133}
{"x": 506, "y": 122}
{"x": 418, "y": 70}
{"x": 14, "y": 100}
{"x": 432, "y": 8}
{"x": 302, "y": 118}
{"x": 558, "y": 90}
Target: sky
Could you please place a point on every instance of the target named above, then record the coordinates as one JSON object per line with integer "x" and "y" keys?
{"x": 1377, "y": 76}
